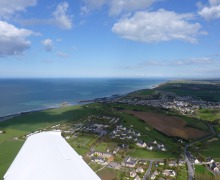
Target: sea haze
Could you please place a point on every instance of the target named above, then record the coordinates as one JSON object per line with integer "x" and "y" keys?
{"x": 21, "y": 95}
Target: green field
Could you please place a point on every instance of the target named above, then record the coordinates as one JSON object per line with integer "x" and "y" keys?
{"x": 209, "y": 114}
{"x": 143, "y": 153}
{"x": 212, "y": 149}
{"x": 8, "y": 151}
{"x": 202, "y": 173}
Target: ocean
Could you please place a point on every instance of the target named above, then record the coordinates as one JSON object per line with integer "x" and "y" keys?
{"x": 22, "y": 95}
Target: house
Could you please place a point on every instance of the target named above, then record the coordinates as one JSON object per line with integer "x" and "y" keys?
{"x": 116, "y": 150}
{"x": 137, "y": 178}
{"x": 197, "y": 161}
{"x": 133, "y": 173}
{"x": 125, "y": 146}
{"x": 150, "y": 148}
{"x": 99, "y": 160}
{"x": 214, "y": 167}
{"x": 106, "y": 155}
{"x": 161, "y": 163}
{"x": 172, "y": 163}
{"x": 129, "y": 162}
{"x": 154, "y": 175}
{"x": 169, "y": 172}
{"x": 181, "y": 163}
{"x": 155, "y": 142}
{"x": 139, "y": 170}
{"x": 141, "y": 144}
{"x": 142, "y": 161}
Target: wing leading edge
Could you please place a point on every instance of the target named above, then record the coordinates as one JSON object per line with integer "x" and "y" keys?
{"x": 46, "y": 156}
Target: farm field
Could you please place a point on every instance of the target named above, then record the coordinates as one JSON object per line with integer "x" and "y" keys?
{"x": 169, "y": 125}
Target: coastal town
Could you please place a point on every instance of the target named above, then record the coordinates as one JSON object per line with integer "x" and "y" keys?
{"x": 114, "y": 156}
{"x": 185, "y": 105}
{"x": 118, "y": 142}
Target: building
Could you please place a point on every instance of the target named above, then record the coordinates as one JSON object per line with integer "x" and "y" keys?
{"x": 141, "y": 144}
{"x": 129, "y": 162}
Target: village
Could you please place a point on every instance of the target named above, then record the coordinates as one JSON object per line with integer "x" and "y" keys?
{"x": 186, "y": 105}
{"x": 118, "y": 141}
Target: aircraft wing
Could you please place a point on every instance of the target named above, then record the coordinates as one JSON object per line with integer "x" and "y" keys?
{"x": 47, "y": 156}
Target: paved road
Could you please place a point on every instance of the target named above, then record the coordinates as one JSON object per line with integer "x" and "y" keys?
{"x": 147, "y": 174}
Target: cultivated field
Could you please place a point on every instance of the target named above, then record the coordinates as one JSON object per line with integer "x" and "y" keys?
{"x": 169, "y": 125}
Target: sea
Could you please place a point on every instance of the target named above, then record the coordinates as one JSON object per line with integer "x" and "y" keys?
{"x": 24, "y": 95}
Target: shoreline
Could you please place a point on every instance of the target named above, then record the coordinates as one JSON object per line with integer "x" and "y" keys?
{"x": 81, "y": 102}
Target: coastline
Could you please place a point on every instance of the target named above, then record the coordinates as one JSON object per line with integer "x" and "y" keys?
{"x": 81, "y": 102}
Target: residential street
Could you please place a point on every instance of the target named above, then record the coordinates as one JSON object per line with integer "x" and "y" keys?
{"x": 147, "y": 174}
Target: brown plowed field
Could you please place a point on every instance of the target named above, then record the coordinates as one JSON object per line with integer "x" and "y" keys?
{"x": 169, "y": 125}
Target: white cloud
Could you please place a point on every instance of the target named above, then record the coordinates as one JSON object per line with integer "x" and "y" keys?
{"x": 119, "y": 6}
{"x": 209, "y": 13}
{"x": 214, "y": 2}
{"x": 13, "y": 40}
{"x": 48, "y": 44}
{"x": 61, "y": 18}
{"x": 116, "y": 7}
{"x": 9, "y": 7}
{"x": 212, "y": 11}
{"x": 158, "y": 26}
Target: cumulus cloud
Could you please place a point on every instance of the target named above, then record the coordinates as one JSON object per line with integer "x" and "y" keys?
{"x": 119, "y": 6}
{"x": 212, "y": 11}
{"x": 116, "y": 7}
{"x": 13, "y": 40}
{"x": 158, "y": 26}
{"x": 61, "y": 18}
{"x": 9, "y": 7}
{"x": 48, "y": 44}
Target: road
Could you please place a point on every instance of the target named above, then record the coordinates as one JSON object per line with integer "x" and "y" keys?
{"x": 190, "y": 166}
{"x": 147, "y": 174}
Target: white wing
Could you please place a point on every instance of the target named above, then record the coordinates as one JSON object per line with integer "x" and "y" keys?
{"x": 47, "y": 156}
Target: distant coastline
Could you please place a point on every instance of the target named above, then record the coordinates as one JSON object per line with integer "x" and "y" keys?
{"x": 64, "y": 104}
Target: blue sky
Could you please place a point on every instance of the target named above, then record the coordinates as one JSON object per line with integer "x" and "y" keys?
{"x": 110, "y": 38}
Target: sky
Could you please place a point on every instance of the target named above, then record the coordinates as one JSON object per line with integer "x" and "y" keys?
{"x": 110, "y": 38}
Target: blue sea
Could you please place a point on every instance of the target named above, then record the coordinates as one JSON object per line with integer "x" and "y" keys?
{"x": 22, "y": 95}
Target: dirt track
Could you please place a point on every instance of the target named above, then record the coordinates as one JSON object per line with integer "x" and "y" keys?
{"x": 169, "y": 125}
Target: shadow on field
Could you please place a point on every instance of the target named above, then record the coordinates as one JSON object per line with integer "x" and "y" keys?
{"x": 35, "y": 120}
